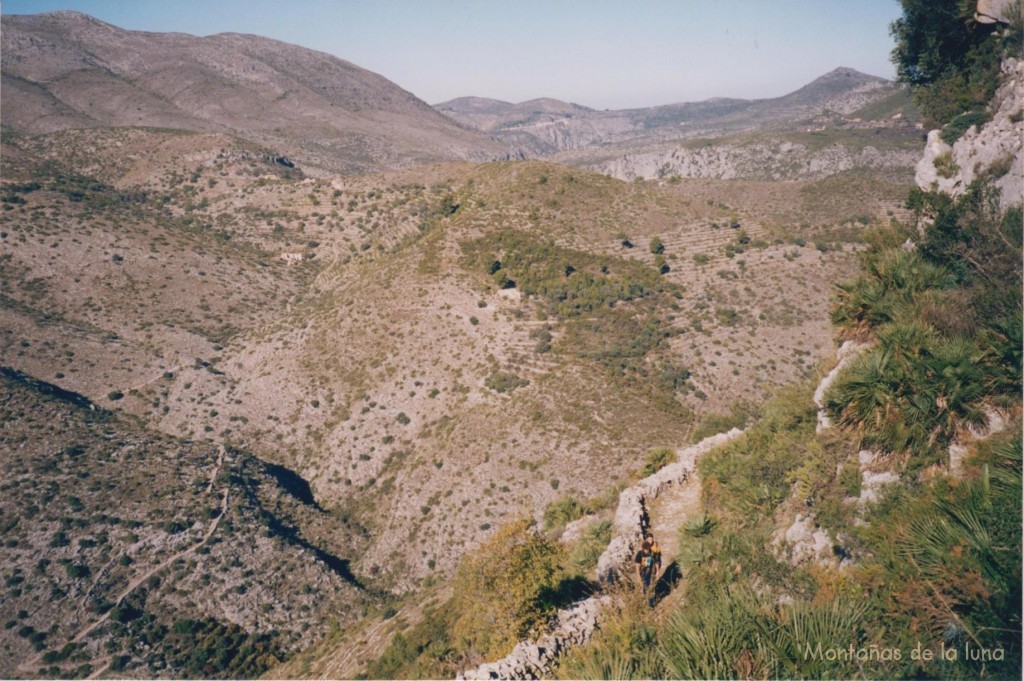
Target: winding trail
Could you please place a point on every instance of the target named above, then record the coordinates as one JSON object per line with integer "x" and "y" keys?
{"x": 670, "y": 511}
{"x": 34, "y": 662}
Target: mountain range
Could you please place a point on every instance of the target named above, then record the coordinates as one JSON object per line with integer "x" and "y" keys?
{"x": 68, "y": 70}
{"x": 546, "y": 126}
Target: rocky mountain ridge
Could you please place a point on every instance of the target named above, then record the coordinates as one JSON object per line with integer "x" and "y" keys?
{"x": 69, "y": 70}
{"x": 545, "y": 127}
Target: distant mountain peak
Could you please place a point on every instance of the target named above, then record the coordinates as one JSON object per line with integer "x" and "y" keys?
{"x": 844, "y": 72}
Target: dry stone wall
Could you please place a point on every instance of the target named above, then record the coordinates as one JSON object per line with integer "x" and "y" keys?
{"x": 575, "y": 625}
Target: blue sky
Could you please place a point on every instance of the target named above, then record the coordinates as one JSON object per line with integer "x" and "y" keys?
{"x": 600, "y": 53}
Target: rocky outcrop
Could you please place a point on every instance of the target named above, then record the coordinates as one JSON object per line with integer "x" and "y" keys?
{"x": 574, "y": 531}
{"x": 872, "y": 480}
{"x": 994, "y": 150}
{"x": 779, "y": 160}
{"x": 995, "y": 422}
{"x": 998, "y": 11}
{"x": 806, "y": 542}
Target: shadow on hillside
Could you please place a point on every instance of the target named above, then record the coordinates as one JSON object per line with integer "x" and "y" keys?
{"x": 293, "y": 483}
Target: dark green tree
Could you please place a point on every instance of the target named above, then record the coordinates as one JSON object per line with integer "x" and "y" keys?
{"x": 950, "y": 61}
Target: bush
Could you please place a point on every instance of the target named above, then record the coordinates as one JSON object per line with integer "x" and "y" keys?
{"x": 562, "y": 512}
{"x": 945, "y": 166}
{"x": 915, "y": 390}
{"x": 888, "y": 289}
{"x": 956, "y": 128}
{"x": 656, "y": 246}
{"x": 504, "y": 382}
{"x": 947, "y": 321}
{"x": 77, "y": 570}
{"x": 656, "y": 460}
{"x": 539, "y": 268}
{"x": 505, "y": 589}
{"x": 950, "y": 62}
{"x": 585, "y": 553}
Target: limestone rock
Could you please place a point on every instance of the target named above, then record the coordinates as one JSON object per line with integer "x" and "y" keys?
{"x": 995, "y": 150}
{"x": 806, "y": 542}
{"x": 574, "y": 530}
{"x": 927, "y": 176}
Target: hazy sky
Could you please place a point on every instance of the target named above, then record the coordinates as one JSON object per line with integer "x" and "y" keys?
{"x": 599, "y": 53}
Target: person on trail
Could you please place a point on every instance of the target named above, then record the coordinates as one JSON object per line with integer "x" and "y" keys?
{"x": 648, "y": 561}
{"x": 648, "y": 564}
{"x": 656, "y": 552}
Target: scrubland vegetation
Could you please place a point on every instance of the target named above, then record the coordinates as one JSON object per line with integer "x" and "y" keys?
{"x": 325, "y": 413}
{"x": 934, "y": 564}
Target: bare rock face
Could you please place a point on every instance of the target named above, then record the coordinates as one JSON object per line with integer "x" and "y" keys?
{"x": 995, "y": 150}
{"x": 761, "y": 160}
{"x": 873, "y": 481}
{"x": 806, "y": 542}
{"x": 997, "y": 11}
{"x": 995, "y": 422}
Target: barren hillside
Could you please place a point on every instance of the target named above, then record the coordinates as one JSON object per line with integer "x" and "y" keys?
{"x": 68, "y": 70}
{"x": 354, "y": 330}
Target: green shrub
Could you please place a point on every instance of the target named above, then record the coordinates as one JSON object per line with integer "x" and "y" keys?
{"x": 77, "y": 570}
{"x": 540, "y": 268}
{"x": 913, "y": 391}
{"x": 950, "y": 61}
{"x": 562, "y": 512}
{"x": 945, "y": 166}
{"x": 956, "y": 128}
{"x": 585, "y": 553}
{"x": 656, "y": 460}
{"x": 888, "y": 288}
{"x": 505, "y": 589}
{"x": 504, "y": 382}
